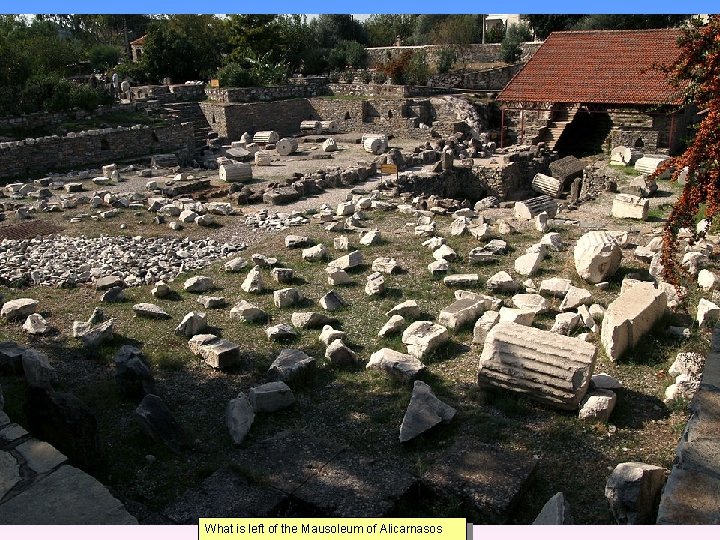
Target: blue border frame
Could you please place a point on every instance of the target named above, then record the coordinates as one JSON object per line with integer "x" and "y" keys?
{"x": 365, "y": 6}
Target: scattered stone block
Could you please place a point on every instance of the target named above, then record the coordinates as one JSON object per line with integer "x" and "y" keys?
{"x": 528, "y": 209}
{"x": 280, "y": 332}
{"x": 501, "y": 282}
{"x": 597, "y": 405}
{"x": 597, "y": 256}
{"x": 555, "y": 512}
{"x": 36, "y": 325}
{"x": 403, "y": 367}
{"x": 630, "y": 207}
{"x": 239, "y": 417}
{"x": 529, "y": 264}
{"x": 385, "y": 265}
{"x": 149, "y": 311}
{"x": 424, "y": 411}
{"x": 547, "y": 185}
{"x": 461, "y": 313}
{"x": 310, "y": 319}
{"x": 198, "y": 284}
{"x": 38, "y": 371}
{"x": 271, "y": 397}
{"x": 315, "y": 253}
{"x": 288, "y": 297}
{"x": 247, "y": 312}
{"x": 332, "y": 301}
{"x": 20, "y": 308}
{"x": 340, "y": 355}
{"x": 461, "y": 280}
{"x": 575, "y": 297}
{"x": 329, "y": 334}
{"x": 557, "y": 287}
{"x": 159, "y": 423}
{"x": 633, "y": 492}
{"x": 375, "y": 284}
{"x": 629, "y": 317}
{"x": 423, "y": 337}
{"x": 483, "y": 325}
{"x": 291, "y": 364}
{"x": 253, "y": 282}
{"x": 193, "y": 323}
{"x": 217, "y": 352}
{"x": 524, "y": 317}
{"x": 346, "y": 262}
{"x": 548, "y": 367}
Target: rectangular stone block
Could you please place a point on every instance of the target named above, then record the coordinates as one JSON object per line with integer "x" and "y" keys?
{"x": 630, "y": 207}
{"x": 630, "y": 316}
{"x": 545, "y": 366}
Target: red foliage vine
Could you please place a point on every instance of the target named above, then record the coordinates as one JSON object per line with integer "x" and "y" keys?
{"x": 697, "y": 74}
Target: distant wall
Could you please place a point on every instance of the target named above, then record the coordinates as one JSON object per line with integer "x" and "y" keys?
{"x": 94, "y": 147}
{"x": 489, "y": 79}
{"x": 41, "y": 119}
{"x": 477, "y": 52}
{"x": 231, "y": 120}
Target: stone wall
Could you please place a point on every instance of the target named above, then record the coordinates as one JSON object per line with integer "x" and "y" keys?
{"x": 264, "y": 93}
{"x": 231, "y": 120}
{"x": 489, "y": 79}
{"x": 690, "y": 496}
{"x": 42, "y": 119}
{"x": 21, "y": 159}
{"x": 644, "y": 139}
{"x": 398, "y": 116}
{"x": 477, "y": 52}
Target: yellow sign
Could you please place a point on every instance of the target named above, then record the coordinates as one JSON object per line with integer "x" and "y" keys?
{"x": 332, "y": 529}
{"x": 214, "y": 83}
{"x": 388, "y": 169}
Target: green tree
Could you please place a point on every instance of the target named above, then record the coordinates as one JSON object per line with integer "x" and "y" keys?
{"x": 544, "y": 25}
{"x": 331, "y": 29}
{"x": 628, "y": 22}
{"x": 347, "y": 53}
{"x": 516, "y": 34}
{"x": 383, "y": 30}
{"x": 185, "y": 47}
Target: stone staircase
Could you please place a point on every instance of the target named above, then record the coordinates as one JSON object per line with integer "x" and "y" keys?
{"x": 189, "y": 112}
{"x": 556, "y": 126}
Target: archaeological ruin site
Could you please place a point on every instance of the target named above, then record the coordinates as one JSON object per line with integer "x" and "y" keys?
{"x": 352, "y": 298}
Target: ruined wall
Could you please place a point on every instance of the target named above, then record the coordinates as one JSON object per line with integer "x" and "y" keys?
{"x": 489, "y": 79}
{"x": 94, "y": 147}
{"x": 42, "y": 119}
{"x": 265, "y": 93}
{"x": 231, "y": 120}
{"x": 397, "y": 116}
{"x": 645, "y": 140}
{"x": 477, "y": 52}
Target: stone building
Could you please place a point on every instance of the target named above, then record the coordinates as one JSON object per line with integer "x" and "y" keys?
{"x": 136, "y": 47}
{"x": 587, "y": 91}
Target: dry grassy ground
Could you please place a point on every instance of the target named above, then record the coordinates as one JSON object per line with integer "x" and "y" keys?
{"x": 362, "y": 409}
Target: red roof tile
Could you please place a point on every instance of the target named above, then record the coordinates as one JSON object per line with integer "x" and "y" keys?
{"x": 599, "y": 66}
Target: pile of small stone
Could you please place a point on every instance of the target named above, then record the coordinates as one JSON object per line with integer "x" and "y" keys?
{"x": 64, "y": 261}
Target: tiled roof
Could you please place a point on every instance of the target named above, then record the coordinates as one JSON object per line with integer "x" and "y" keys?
{"x": 139, "y": 41}
{"x": 599, "y": 66}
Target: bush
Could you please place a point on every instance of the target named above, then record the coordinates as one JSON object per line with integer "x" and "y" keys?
{"x": 234, "y": 75}
{"x": 516, "y": 34}
{"x": 54, "y": 94}
{"x": 366, "y": 76}
{"x": 103, "y": 57}
{"x": 132, "y": 71}
{"x": 447, "y": 56}
{"x": 347, "y": 53}
{"x": 379, "y": 77}
{"x": 334, "y": 77}
{"x": 348, "y": 76}
{"x": 417, "y": 70}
